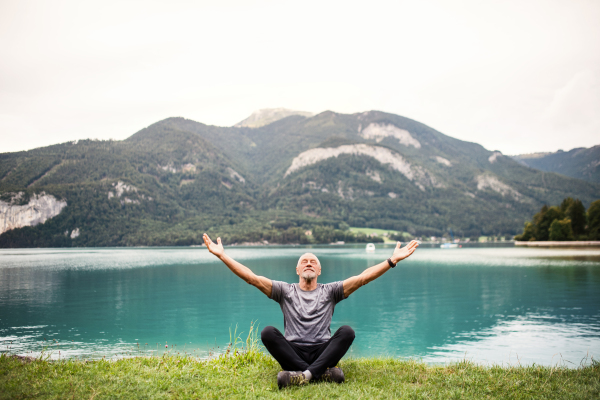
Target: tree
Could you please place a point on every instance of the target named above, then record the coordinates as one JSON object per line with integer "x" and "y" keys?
{"x": 575, "y": 211}
{"x": 528, "y": 233}
{"x": 561, "y": 230}
{"x": 550, "y": 223}
{"x": 593, "y": 215}
{"x": 566, "y": 203}
{"x": 543, "y": 220}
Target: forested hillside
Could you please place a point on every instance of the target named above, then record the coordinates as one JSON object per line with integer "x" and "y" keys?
{"x": 174, "y": 180}
{"x": 582, "y": 163}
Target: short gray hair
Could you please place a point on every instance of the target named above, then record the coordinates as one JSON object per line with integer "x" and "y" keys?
{"x": 318, "y": 261}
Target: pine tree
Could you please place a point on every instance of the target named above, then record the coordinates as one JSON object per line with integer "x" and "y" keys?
{"x": 575, "y": 211}
{"x": 593, "y": 215}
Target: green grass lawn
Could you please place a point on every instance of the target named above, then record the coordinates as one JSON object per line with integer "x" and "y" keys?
{"x": 368, "y": 231}
{"x": 253, "y": 375}
{"x": 379, "y": 232}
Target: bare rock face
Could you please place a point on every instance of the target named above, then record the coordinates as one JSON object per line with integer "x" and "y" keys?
{"x": 40, "y": 208}
{"x": 416, "y": 174}
{"x": 123, "y": 188}
{"x": 442, "y": 160}
{"x": 491, "y": 182}
{"x": 492, "y": 159}
{"x": 234, "y": 175}
{"x": 75, "y": 233}
{"x": 380, "y": 132}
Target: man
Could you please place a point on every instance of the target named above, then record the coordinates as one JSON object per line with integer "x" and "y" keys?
{"x": 308, "y": 351}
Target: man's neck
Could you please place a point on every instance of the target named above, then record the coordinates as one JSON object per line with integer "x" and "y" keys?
{"x": 307, "y": 285}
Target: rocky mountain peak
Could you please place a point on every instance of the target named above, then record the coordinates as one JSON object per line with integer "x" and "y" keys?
{"x": 267, "y": 116}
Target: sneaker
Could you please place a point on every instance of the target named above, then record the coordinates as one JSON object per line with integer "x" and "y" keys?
{"x": 287, "y": 378}
{"x": 334, "y": 374}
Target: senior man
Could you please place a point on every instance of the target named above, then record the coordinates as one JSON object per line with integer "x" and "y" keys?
{"x": 308, "y": 351}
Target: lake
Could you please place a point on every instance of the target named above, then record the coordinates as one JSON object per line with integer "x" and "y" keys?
{"x": 492, "y": 305}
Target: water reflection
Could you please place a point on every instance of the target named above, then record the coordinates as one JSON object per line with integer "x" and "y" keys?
{"x": 492, "y": 303}
{"x": 525, "y": 340}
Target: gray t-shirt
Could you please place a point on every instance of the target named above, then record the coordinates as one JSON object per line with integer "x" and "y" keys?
{"x": 307, "y": 314}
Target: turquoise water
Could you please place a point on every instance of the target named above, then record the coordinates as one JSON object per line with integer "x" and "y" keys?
{"x": 491, "y": 305}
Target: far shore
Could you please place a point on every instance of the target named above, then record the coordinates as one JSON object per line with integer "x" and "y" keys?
{"x": 582, "y": 243}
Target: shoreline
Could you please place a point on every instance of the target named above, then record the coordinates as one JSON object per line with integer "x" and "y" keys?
{"x": 506, "y": 243}
{"x": 574, "y": 243}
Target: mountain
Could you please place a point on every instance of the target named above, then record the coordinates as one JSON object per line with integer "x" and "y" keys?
{"x": 174, "y": 180}
{"x": 581, "y": 163}
{"x": 269, "y": 115}
{"x": 161, "y": 186}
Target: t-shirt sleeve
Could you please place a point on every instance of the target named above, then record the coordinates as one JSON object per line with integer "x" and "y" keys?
{"x": 337, "y": 291}
{"x": 277, "y": 290}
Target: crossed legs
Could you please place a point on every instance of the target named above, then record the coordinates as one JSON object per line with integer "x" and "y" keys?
{"x": 316, "y": 358}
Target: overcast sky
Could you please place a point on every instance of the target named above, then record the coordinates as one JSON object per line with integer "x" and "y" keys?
{"x": 515, "y": 76}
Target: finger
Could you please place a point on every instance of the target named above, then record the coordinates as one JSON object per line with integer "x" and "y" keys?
{"x": 219, "y": 241}
{"x": 207, "y": 240}
{"x": 398, "y": 245}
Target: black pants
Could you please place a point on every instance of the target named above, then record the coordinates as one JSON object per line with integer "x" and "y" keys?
{"x": 315, "y": 358}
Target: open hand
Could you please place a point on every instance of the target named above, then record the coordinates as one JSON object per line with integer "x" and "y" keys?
{"x": 400, "y": 253}
{"x": 215, "y": 248}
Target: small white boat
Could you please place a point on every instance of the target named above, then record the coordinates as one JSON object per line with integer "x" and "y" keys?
{"x": 370, "y": 248}
{"x": 448, "y": 246}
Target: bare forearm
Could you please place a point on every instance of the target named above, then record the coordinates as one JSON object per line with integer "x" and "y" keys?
{"x": 368, "y": 275}
{"x": 399, "y": 254}
{"x": 260, "y": 282}
{"x": 237, "y": 268}
{"x": 374, "y": 272}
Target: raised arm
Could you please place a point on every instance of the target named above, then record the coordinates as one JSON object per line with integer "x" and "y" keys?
{"x": 263, "y": 284}
{"x": 374, "y": 272}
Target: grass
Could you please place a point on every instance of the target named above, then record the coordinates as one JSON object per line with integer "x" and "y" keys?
{"x": 368, "y": 231}
{"x": 379, "y": 232}
{"x": 244, "y": 371}
{"x": 252, "y": 374}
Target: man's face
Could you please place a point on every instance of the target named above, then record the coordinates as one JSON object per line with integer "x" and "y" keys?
{"x": 308, "y": 266}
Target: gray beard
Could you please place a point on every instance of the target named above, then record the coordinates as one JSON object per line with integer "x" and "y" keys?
{"x": 308, "y": 276}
